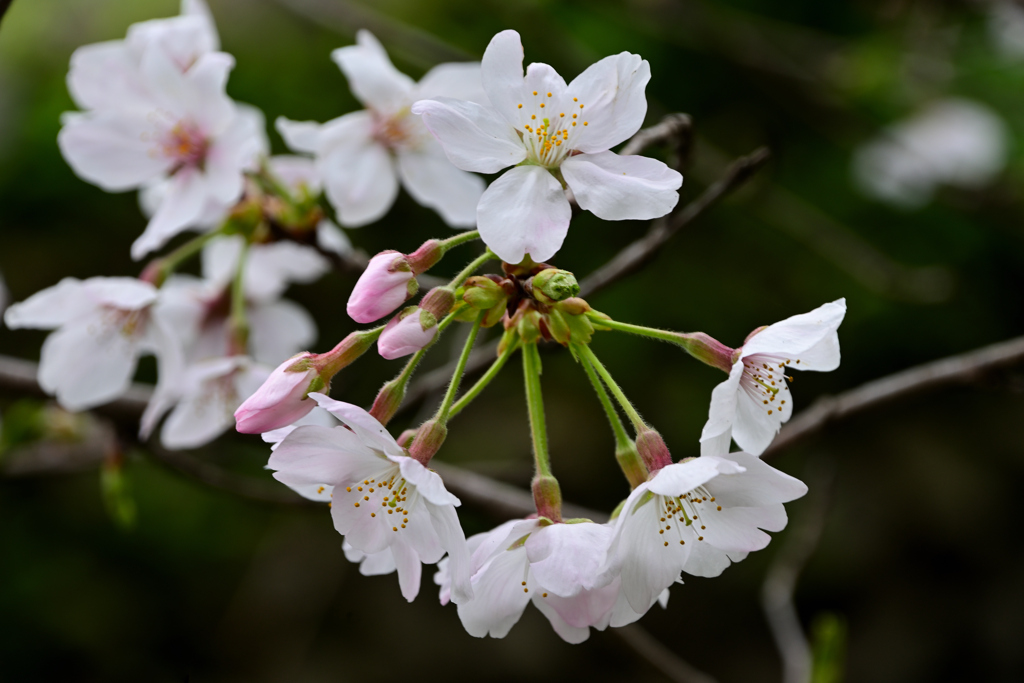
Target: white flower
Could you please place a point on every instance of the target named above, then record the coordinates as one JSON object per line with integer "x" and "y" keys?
{"x": 550, "y": 130}
{"x": 103, "y": 325}
{"x": 362, "y": 156}
{"x": 696, "y": 516}
{"x": 204, "y": 400}
{"x": 754, "y": 401}
{"x": 382, "y": 500}
{"x": 951, "y": 142}
{"x": 556, "y": 566}
{"x": 157, "y": 110}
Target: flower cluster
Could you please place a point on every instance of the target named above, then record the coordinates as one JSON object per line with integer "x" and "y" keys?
{"x": 155, "y": 117}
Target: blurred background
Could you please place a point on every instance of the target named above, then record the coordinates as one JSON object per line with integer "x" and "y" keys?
{"x": 896, "y": 181}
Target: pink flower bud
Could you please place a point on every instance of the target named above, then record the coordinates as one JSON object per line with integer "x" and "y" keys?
{"x": 653, "y": 450}
{"x": 547, "y": 496}
{"x": 386, "y": 284}
{"x": 282, "y": 398}
{"x": 429, "y": 438}
{"x": 406, "y": 333}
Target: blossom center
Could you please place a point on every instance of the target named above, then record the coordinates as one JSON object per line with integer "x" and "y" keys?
{"x": 384, "y": 498}
{"x": 129, "y": 322}
{"x": 186, "y": 144}
{"x": 398, "y": 131}
{"x": 549, "y": 125}
{"x": 765, "y": 380}
{"x": 682, "y": 516}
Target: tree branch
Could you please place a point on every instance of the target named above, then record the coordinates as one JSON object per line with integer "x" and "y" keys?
{"x": 960, "y": 369}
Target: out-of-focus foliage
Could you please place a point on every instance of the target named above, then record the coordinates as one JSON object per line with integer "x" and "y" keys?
{"x": 918, "y": 555}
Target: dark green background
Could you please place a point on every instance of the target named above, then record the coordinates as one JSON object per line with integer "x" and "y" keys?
{"x": 921, "y": 553}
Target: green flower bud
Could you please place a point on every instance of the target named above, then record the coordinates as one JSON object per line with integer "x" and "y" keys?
{"x": 554, "y": 285}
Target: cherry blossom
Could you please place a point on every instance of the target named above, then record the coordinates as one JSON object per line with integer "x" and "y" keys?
{"x": 755, "y": 400}
{"x": 408, "y": 332}
{"x": 382, "y": 498}
{"x": 157, "y": 110}
{"x": 386, "y": 284}
{"x": 102, "y": 326}
{"x": 363, "y": 155}
{"x": 697, "y": 516}
{"x": 281, "y": 400}
{"x": 557, "y": 567}
{"x": 556, "y": 136}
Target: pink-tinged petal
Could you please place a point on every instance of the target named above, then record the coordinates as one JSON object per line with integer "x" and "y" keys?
{"x": 233, "y": 153}
{"x": 679, "y": 478}
{"x": 329, "y": 237}
{"x": 279, "y": 330}
{"x": 616, "y": 188}
{"x": 405, "y": 335}
{"x": 427, "y": 482}
{"x": 301, "y": 136}
{"x": 197, "y": 95}
{"x": 570, "y": 634}
{"x": 372, "y": 77}
{"x": 567, "y": 558}
{"x": 365, "y": 426}
{"x": 722, "y": 412}
{"x": 646, "y": 565}
{"x": 51, "y": 307}
{"x": 382, "y": 287}
{"x": 318, "y": 493}
{"x": 410, "y": 570}
{"x": 271, "y": 268}
{"x": 524, "y": 212}
{"x": 87, "y": 363}
{"x": 501, "y": 72}
{"x": 474, "y": 137}
{"x": 317, "y": 417}
{"x": 297, "y": 173}
{"x": 199, "y": 9}
{"x": 112, "y": 150}
{"x": 323, "y": 455}
{"x": 484, "y": 546}
{"x": 753, "y": 428}
{"x": 813, "y": 332}
{"x": 368, "y": 534}
{"x": 279, "y": 402}
{"x": 589, "y": 608}
{"x": 106, "y": 76}
{"x": 499, "y": 598}
{"x": 208, "y": 401}
{"x": 622, "y": 613}
{"x": 460, "y": 81}
{"x": 434, "y": 182}
{"x": 453, "y": 539}
{"x": 124, "y": 293}
{"x": 360, "y": 181}
{"x": 612, "y": 92}
{"x": 761, "y": 484}
{"x": 186, "y": 198}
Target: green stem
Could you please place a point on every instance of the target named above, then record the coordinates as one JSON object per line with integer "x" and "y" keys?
{"x": 239, "y": 320}
{"x": 410, "y": 367}
{"x": 703, "y": 347}
{"x": 472, "y": 268}
{"x": 273, "y": 184}
{"x": 168, "y": 264}
{"x": 622, "y": 440}
{"x": 482, "y": 383}
{"x": 535, "y": 407}
{"x": 461, "y": 238}
{"x": 460, "y": 368}
{"x": 663, "y": 335}
{"x": 588, "y": 354}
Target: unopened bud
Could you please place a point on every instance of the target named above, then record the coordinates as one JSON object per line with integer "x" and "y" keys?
{"x": 405, "y": 438}
{"x": 483, "y": 293}
{"x": 555, "y": 327}
{"x": 528, "y": 325}
{"x": 573, "y": 306}
{"x": 653, "y": 450}
{"x": 386, "y": 284}
{"x": 426, "y": 257}
{"x": 547, "y": 496}
{"x": 344, "y": 354}
{"x": 553, "y": 285}
{"x": 438, "y": 301}
{"x": 631, "y": 464}
{"x": 388, "y": 400}
{"x": 429, "y": 438}
{"x": 408, "y": 332}
{"x": 282, "y": 398}
{"x": 709, "y": 350}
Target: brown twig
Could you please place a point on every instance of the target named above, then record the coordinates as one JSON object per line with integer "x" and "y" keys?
{"x": 960, "y": 369}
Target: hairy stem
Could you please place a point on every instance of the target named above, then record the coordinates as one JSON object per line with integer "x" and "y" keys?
{"x": 535, "y": 407}
{"x": 482, "y": 383}
{"x": 449, "y": 397}
{"x": 588, "y": 355}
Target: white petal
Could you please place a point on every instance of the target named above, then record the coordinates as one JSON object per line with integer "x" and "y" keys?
{"x": 372, "y": 77}
{"x": 301, "y": 136}
{"x": 332, "y": 238}
{"x": 279, "y": 330}
{"x": 112, "y": 150}
{"x": 570, "y": 634}
{"x": 567, "y": 558}
{"x": 499, "y": 598}
{"x": 761, "y": 484}
{"x": 753, "y": 428}
{"x": 272, "y": 267}
{"x": 474, "y": 137}
{"x": 706, "y": 560}
{"x": 722, "y": 412}
{"x": 648, "y": 566}
{"x": 427, "y": 482}
{"x": 51, "y": 307}
{"x": 618, "y": 188}
{"x": 365, "y": 426}
{"x": 87, "y": 364}
{"x": 502, "y": 73}
{"x": 524, "y": 212}
{"x": 813, "y": 332}
{"x": 452, "y": 538}
{"x": 410, "y": 571}
{"x": 433, "y": 181}
{"x": 612, "y": 91}
{"x": 679, "y": 478}
{"x": 184, "y": 204}
{"x": 297, "y": 173}
{"x": 360, "y": 181}
{"x": 124, "y": 293}
{"x": 460, "y": 81}
{"x": 106, "y": 76}
{"x": 313, "y": 454}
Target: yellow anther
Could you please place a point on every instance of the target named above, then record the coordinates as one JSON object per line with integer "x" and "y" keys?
{"x": 541, "y": 105}
{"x": 585, "y": 123}
{"x": 373, "y": 514}
{"x": 349, "y": 489}
{"x": 562, "y": 115}
{"x": 549, "y": 94}
{"x": 575, "y": 99}
{"x": 534, "y": 92}
{"x": 357, "y": 504}
{"x": 520, "y": 106}
{"x": 533, "y": 116}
